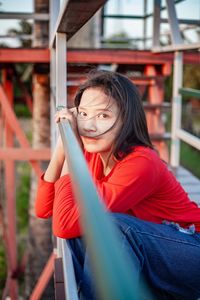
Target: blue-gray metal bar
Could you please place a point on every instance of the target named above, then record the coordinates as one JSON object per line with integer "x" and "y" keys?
{"x": 184, "y": 21}
{"x": 156, "y": 23}
{"x": 145, "y": 24}
{"x": 117, "y": 16}
{"x": 114, "y": 275}
{"x": 163, "y": 8}
{"x": 173, "y": 21}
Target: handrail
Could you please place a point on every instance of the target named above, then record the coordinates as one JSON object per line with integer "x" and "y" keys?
{"x": 113, "y": 273}
{"x": 188, "y": 92}
{"x": 181, "y": 134}
{"x": 188, "y": 138}
{"x": 68, "y": 272}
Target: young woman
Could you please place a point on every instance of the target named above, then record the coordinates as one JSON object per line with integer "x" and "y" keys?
{"x": 159, "y": 223}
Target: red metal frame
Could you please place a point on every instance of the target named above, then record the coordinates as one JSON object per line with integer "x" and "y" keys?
{"x": 44, "y": 278}
{"x": 97, "y": 56}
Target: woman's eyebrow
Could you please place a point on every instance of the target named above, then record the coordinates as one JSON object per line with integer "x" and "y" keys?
{"x": 97, "y": 109}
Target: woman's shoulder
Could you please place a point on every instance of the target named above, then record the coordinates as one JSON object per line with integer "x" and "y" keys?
{"x": 145, "y": 157}
{"x": 143, "y": 151}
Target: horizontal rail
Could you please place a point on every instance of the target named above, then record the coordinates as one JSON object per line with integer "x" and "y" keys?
{"x": 188, "y": 138}
{"x": 113, "y": 275}
{"x": 176, "y": 47}
{"x": 190, "y": 92}
{"x": 95, "y": 56}
{"x": 24, "y": 16}
{"x": 23, "y": 153}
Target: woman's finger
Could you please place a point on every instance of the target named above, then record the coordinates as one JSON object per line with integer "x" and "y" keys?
{"x": 64, "y": 114}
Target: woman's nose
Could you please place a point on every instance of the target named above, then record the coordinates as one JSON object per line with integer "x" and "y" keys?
{"x": 89, "y": 125}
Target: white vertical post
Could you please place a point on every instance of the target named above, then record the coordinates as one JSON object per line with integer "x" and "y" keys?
{"x": 176, "y": 108}
{"x": 54, "y": 12}
{"x": 53, "y": 95}
{"x": 61, "y": 69}
{"x": 173, "y": 21}
{"x": 61, "y": 86}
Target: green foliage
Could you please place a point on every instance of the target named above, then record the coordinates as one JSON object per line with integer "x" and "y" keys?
{"x": 22, "y": 110}
{"x": 22, "y": 203}
{"x": 2, "y": 267}
{"x": 25, "y": 28}
{"x": 191, "y": 76}
{"x": 22, "y": 196}
{"x": 119, "y": 40}
{"x": 190, "y": 159}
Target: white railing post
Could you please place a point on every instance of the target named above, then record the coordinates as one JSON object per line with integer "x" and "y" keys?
{"x": 176, "y": 108}
{"x": 61, "y": 69}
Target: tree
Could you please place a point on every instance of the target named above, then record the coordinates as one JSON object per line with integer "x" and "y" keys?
{"x": 39, "y": 238}
{"x": 25, "y": 28}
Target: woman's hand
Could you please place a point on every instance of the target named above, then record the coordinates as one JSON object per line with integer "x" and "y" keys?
{"x": 70, "y": 115}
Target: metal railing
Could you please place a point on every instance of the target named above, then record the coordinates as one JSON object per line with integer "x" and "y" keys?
{"x": 183, "y": 135}
{"x": 179, "y": 134}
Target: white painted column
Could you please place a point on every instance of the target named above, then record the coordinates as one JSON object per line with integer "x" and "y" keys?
{"x": 176, "y": 109}
{"x": 61, "y": 69}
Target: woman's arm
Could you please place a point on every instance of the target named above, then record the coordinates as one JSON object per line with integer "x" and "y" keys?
{"x": 46, "y": 191}
{"x": 57, "y": 167}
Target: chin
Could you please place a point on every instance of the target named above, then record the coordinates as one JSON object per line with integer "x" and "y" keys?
{"x": 91, "y": 148}
{"x": 95, "y": 149}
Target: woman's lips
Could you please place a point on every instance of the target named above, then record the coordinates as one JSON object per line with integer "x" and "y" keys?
{"x": 89, "y": 139}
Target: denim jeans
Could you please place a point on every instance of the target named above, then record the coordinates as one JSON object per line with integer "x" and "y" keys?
{"x": 166, "y": 255}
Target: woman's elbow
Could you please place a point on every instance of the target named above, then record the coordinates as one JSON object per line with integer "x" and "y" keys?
{"x": 65, "y": 231}
{"x": 42, "y": 213}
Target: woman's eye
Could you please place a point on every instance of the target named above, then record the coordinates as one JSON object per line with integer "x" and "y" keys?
{"x": 102, "y": 116}
{"x": 82, "y": 114}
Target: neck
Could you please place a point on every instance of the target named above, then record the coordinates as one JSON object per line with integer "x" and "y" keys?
{"x": 108, "y": 161}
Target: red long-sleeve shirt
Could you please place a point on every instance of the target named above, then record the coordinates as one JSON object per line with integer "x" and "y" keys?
{"x": 140, "y": 185}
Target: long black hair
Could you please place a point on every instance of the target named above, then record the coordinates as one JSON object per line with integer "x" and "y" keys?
{"x": 134, "y": 130}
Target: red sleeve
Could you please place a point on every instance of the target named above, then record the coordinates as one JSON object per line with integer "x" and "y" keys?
{"x": 131, "y": 181}
{"x": 44, "y": 198}
{"x": 65, "y": 210}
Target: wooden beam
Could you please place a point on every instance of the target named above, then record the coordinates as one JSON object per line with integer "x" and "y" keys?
{"x": 73, "y": 15}
{"x": 25, "y": 154}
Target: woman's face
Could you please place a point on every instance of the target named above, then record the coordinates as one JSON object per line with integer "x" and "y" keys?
{"x": 98, "y": 120}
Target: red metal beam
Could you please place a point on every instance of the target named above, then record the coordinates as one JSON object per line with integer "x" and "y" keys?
{"x": 44, "y": 279}
{"x": 24, "y": 55}
{"x": 154, "y": 120}
{"x": 16, "y": 128}
{"x": 25, "y": 154}
{"x": 96, "y": 56}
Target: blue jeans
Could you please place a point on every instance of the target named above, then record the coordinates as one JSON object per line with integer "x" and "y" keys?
{"x": 166, "y": 255}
